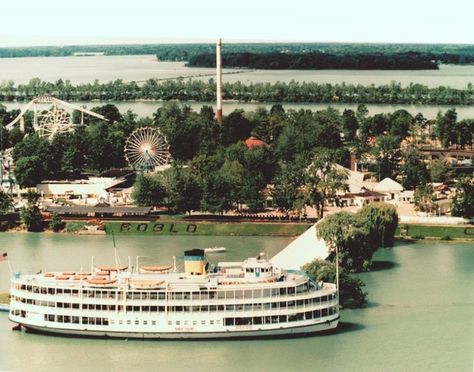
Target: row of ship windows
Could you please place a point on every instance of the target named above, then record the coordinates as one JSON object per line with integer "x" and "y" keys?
{"x": 161, "y": 295}
{"x": 250, "y": 320}
{"x": 239, "y": 307}
{"x": 67, "y": 318}
{"x": 105, "y": 321}
{"x": 234, "y": 321}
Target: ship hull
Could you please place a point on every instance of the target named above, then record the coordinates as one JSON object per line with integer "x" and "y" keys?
{"x": 298, "y": 331}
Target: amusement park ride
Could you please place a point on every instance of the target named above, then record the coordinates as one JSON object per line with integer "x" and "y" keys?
{"x": 54, "y": 120}
{"x": 146, "y": 149}
{"x": 47, "y": 122}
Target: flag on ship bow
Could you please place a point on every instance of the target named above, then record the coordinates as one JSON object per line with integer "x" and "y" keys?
{"x": 4, "y": 257}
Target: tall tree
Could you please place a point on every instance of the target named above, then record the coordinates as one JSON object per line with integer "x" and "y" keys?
{"x": 6, "y": 203}
{"x": 463, "y": 200}
{"x": 287, "y": 186}
{"x": 445, "y": 127}
{"x": 183, "y": 190}
{"x": 323, "y": 179}
{"x": 424, "y": 198}
{"x": 440, "y": 171}
{"x": 414, "y": 171}
{"x": 235, "y": 127}
{"x": 148, "y": 191}
{"x": 387, "y": 155}
{"x": 30, "y": 215}
{"x": 350, "y": 125}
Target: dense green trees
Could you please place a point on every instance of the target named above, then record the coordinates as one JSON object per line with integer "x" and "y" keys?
{"x": 215, "y": 171}
{"x": 204, "y": 91}
{"x": 443, "y": 53}
{"x": 381, "y": 219}
{"x": 440, "y": 171}
{"x": 97, "y": 147}
{"x": 425, "y": 199}
{"x": 6, "y": 207}
{"x": 30, "y": 215}
{"x": 319, "y": 60}
{"x": 463, "y": 201}
{"x": 148, "y": 190}
{"x": 183, "y": 189}
{"x": 351, "y": 294}
{"x": 56, "y": 224}
{"x": 414, "y": 171}
{"x": 6, "y": 203}
{"x": 358, "y": 235}
{"x": 323, "y": 179}
{"x": 387, "y": 156}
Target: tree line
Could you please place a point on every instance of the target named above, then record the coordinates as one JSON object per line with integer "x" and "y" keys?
{"x": 318, "y": 61}
{"x": 204, "y": 91}
{"x": 442, "y": 53}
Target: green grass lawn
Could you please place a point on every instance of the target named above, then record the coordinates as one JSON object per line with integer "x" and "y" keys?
{"x": 442, "y": 232}
{"x": 176, "y": 227}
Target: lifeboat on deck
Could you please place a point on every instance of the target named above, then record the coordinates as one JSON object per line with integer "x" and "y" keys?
{"x": 158, "y": 269}
{"x": 110, "y": 268}
{"x": 98, "y": 281}
{"x": 146, "y": 284}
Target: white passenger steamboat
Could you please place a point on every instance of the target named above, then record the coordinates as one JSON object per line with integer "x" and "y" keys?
{"x": 236, "y": 299}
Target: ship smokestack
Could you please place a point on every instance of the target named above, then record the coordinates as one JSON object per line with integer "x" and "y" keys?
{"x": 219, "y": 79}
{"x": 194, "y": 262}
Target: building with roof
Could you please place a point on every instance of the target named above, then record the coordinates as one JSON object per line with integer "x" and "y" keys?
{"x": 87, "y": 191}
{"x": 390, "y": 188}
{"x": 254, "y": 142}
{"x": 361, "y": 198}
{"x": 100, "y": 211}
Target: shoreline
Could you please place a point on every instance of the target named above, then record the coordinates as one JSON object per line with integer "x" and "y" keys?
{"x": 169, "y": 227}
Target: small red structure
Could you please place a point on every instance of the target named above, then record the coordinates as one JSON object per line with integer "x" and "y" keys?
{"x": 252, "y": 142}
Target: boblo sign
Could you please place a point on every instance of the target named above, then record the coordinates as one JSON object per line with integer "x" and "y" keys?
{"x": 159, "y": 228}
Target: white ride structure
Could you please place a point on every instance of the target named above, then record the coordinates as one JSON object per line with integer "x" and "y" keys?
{"x": 236, "y": 300}
{"x": 147, "y": 149}
{"x": 55, "y": 119}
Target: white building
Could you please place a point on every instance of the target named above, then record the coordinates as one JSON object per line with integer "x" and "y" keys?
{"x": 89, "y": 190}
{"x": 390, "y": 188}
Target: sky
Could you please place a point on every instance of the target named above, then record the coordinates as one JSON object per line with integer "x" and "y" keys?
{"x": 62, "y": 22}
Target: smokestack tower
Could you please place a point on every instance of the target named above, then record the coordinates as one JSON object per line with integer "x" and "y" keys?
{"x": 219, "y": 79}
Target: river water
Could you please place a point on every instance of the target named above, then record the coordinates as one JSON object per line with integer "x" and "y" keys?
{"x": 147, "y": 109}
{"x": 139, "y": 68}
{"x": 420, "y": 315}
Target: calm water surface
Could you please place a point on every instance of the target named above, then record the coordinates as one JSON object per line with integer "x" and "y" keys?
{"x": 139, "y": 68}
{"x": 147, "y": 109}
{"x": 420, "y": 316}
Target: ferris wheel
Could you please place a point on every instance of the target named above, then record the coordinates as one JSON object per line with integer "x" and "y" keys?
{"x": 147, "y": 148}
{"x": 52, "y": 122}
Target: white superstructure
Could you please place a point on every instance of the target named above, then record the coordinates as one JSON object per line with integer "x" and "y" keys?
{"x": 236, "y": 299}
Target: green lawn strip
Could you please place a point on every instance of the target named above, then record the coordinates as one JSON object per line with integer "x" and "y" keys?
{"x": 176, "y": 227}
{"x": 436, "y": 231}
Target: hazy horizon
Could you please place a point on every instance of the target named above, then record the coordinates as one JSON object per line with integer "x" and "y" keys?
{"x": 158, "y": 41}
{"x": 56, "y": 22}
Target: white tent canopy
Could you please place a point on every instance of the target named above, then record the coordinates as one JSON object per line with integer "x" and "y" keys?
{"x": 300, "y": 251}
{"x": 388, "y": 185}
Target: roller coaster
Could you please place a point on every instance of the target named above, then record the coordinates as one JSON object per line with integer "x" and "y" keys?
{"x": 54, "y": 120}
{"x": 46, "y": 122}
